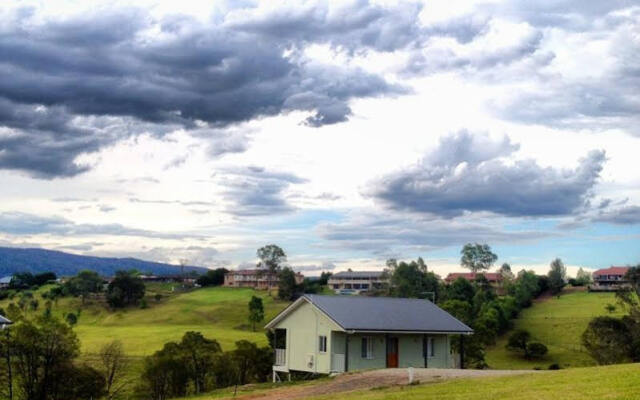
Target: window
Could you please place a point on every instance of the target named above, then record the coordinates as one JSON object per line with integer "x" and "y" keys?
{"x": 322, "y": 344}
{"x": 367, "y": 348}
{"x": 431, "y": 351}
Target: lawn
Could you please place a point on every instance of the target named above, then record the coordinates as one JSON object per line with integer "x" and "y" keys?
{"x": 558, "y": 323}
{"x": 218, "y": 313}
{"x": 619, "y": 382}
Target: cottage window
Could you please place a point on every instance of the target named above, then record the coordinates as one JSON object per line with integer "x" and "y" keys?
{"x": 431, "y": 350}
{"x": 367, "y": 348}
{"x": 322, "y": 344}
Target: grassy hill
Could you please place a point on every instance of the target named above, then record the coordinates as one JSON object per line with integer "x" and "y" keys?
{"x": 614, "y": 382}
{"x": 218, "y": 313}
{"x": 558, "y": 323}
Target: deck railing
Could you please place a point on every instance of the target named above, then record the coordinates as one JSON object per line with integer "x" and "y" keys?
{"x": 337, "y": 362}
{"x": 281, "y": 356}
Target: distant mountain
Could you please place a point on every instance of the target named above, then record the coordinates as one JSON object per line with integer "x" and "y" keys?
{"x": 64, "y": 264}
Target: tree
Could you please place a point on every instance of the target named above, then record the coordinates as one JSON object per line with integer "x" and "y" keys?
{"x": 506, "y": 273}
{"x": 125, "y": 289}
{"x": 83, "y": 284}
{"x": 461, "y": 289}
{"x": 413, "y": 280}
{"x": 256, "y": 311}
{"x": 520, "y": 341}
{"x": 271, "y": 258}
{"x": 557, "y": 276}
{"x": 199, "y": 355}
{"x": 252, "y": 364}
{"x": 607, "y": 340}
{"x": 80, "y": 383}
{"x": 287, "y": 287}
{"x": 164, "y": 374}
{"x": 477, "y": 257}
{"x": 583, "y": 277}
{"x": 71, "y": 319}
{"x": 536, "y": 350}
{"x": 114, "y": 365}
{"x": 213, "y": 277}
{"x": 42, "y": 350}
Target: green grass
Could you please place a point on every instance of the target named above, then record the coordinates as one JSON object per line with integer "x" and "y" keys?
{"x": 619, "y": 382}
{"x": 218, "y": 313}
{"x": 558, "y": 323}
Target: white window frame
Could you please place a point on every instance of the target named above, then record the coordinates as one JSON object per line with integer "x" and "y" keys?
{"x": 322, "y": 343}
{"x": 369, "y": 349}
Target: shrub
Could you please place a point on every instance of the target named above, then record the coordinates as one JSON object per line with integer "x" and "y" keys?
{"x": 71, "y": 319}
{"x": 554, "y": 366}
{"x": 536, "y": 350}
{"x": 607, "y": 340}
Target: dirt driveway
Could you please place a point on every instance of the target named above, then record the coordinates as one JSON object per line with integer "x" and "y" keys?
{"x": 374, "y": 379}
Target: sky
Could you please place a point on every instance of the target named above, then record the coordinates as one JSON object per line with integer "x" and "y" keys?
{"x": 345, "y": 132}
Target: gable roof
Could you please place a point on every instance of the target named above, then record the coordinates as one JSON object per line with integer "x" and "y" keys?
{"x": 5, "y": 321}
{"x": 381, "y": 314}
{"x": 612, "y": 271}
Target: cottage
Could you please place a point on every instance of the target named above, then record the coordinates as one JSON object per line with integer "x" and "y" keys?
{"x": 333, "y": 334}
{"x": 255, "y": 278}
{"x": 609, "y": 279}
{"x": 355, "y": 282}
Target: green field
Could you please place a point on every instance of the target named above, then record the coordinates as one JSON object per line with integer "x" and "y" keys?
{"x": 619, "y": 382}
{"x": 218, "y": 313}
{"x": 558, "y": 323}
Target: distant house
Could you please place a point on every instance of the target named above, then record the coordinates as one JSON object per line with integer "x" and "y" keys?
{"x": 5, "y": 281}
{"x": 355, "y": 282}
{"x": 327, "y": 334}
{"x": 609, "y": 279}
{"x": 255, "y": 278}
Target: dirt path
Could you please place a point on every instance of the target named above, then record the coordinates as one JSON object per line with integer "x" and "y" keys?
{"x": 374, "y": 379}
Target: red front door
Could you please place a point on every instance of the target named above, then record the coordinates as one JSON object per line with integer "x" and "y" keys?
{"x": 392, "y": 352}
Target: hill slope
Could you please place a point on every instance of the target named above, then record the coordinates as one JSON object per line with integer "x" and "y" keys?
{"x": 558, "y": 323}
{"x": 218, "y": 313}
{"x": 64, "y": 264}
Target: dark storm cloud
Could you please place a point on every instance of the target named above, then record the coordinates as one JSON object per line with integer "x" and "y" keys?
{"x": 386, "y": 234}
{"x": 465, "y": 174}
{"x": 254, "y": 191}
{"x": 81, "y": 83}
{"x": 18, "y": 223}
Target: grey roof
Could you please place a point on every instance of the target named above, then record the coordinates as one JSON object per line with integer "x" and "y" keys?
{"x": 387, "y": 314}
{"x": 357, "y": 274}
{"x": 6, "y": 279}
{"x": 4, "y": 321}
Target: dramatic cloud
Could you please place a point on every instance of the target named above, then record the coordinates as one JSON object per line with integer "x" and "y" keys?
{"x": 605, "y": 99}
{"x": 17, "y": 223}
{"x": 82, "y": 82}
{"x": 465, "y": 174}
{"x": 253, "y": 191}
{"x": 384, "y": 235}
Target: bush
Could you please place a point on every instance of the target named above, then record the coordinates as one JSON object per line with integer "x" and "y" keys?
{"x": 608, "y": 340}
{"x": 158, "y": 297}
{"x": 71, "y": 319}
{"x": 554, "y": 366}
{"x": 536, "y": 350}
{"x": 143, "y": 303}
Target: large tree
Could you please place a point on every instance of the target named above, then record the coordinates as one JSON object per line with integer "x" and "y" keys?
{"x": 84, "y": 283}
{"x": 125, "y": 289}
{"x": 288, "y": 288}
{"x": 413, "y": 280}
{"x": 477, "y": 257}
{"x": 557, "y": 276}
{"x": 272, "y": 258}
